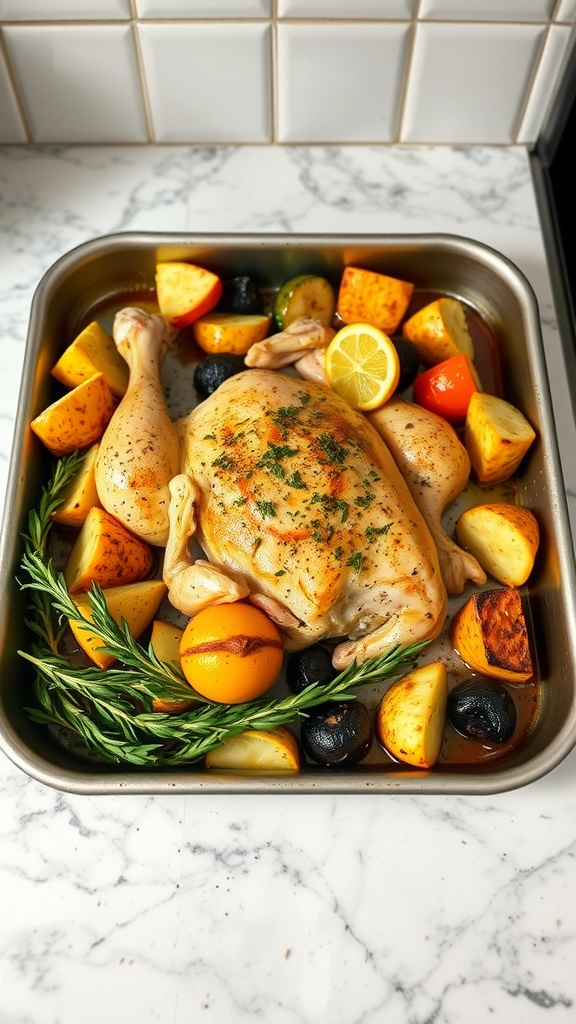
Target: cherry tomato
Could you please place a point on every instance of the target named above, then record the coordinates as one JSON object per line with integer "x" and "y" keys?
{"x": 447, "y": 388}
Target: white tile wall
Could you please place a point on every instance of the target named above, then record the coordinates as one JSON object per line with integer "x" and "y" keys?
{"x": 339, "y": 82}
{"x": 208, "y": 82}
{"x": 469, "y": 81}
{"x": 280, "y": 71}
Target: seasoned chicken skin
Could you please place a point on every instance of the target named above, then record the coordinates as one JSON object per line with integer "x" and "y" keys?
{"x": 298, "y": 504}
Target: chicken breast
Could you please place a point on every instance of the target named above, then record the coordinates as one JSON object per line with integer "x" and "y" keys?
{"x": 298, "y": 504}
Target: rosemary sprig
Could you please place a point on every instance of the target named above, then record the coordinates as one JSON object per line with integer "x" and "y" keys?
{"x": 110, "y": 712}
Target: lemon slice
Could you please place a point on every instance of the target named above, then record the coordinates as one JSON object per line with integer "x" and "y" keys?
{"x": 362, "y": 366}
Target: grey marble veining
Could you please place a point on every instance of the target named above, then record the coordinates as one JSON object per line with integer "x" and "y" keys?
{"x": 288, "y": 910}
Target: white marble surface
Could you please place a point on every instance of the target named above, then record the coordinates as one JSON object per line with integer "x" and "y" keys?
{"x": 294, "y": 909}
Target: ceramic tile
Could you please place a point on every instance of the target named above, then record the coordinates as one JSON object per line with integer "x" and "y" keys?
{"x": 345, "y": 9}
{"x": 339, "y": 83}
{"x": 203, "y": 8}
{"x": 11, "y": 127}
{"x": 78, "y": 84}
{"x": 63, "y": 10}
{"x": 208, "y": 83}
{"x": 548, "y": 75}
{"x": 467, "y": 82}
{"x": 487, "y": 10}
{"x": 566, "y": 10}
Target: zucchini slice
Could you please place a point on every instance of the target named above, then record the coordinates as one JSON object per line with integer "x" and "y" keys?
{"x": 305, "y": 295}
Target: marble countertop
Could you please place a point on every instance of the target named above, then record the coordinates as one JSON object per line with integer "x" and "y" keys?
{"x": 292, "y": 909}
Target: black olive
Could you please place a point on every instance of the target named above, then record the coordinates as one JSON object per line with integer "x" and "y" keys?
{"x": 337, "y": 734}
{"x": 240, "y": 295}
{"x": 409, "y": 362}
{"x": 482, "y": 710}
{"x": 312, "y": 665}
{"x": 214, "y": 370}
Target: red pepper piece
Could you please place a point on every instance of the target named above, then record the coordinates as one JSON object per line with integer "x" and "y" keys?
{"x": 447, "y": 388}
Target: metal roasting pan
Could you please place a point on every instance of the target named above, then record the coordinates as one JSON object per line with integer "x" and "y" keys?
{"x": 100, "y": 276}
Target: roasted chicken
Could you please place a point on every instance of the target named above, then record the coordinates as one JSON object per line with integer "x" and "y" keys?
{"x": 293, "y": 497}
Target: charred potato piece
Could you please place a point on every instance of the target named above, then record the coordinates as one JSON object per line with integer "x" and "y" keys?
{"x": 105, "y": 552}
{"x": 489, "y": 633}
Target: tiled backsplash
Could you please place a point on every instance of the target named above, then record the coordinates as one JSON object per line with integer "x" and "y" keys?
{"x": 284, "y": 71}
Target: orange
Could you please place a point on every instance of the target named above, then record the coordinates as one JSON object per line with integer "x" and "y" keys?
{"x": 231, "y": 653}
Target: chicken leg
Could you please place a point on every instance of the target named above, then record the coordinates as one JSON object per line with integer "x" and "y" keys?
{"x": 436, "y": 466}
{"x": 139, "y": 452}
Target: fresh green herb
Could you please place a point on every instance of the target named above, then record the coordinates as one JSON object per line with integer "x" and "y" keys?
{"x": 239, "y": 501}
{"x": 295, "y": 480}
{"x": 281, "y": 572}
{"x": 209, "y": 437}
{"x": 338, "y": 552}
{"x": 356, "y": 561}
{"x": 335, "y": 452}
{"x": 273, "y": 456}
{"x": 331, "y": 504}
{"x": 372, "y": 532}
{"x": 364, "y": 500}
{"x": 224, "y": 462}
{"x": 266, "y": 509}
{"x": 109, "y": 713}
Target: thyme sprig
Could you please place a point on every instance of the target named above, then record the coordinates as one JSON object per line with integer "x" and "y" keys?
{"x": 109, "y": 713}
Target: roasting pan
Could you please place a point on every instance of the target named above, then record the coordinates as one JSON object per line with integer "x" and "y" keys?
{"x": 99, "y": 277}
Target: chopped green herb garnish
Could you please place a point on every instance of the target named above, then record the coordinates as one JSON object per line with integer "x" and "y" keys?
{"x": 338, "y": 552}
{"x": 295, "y": 480}
{"x": 224, "y": 462}
{"x": 333, "y": 450}
{"x": 364, "y": 501}
{"x": 330, "y": 504}
{"x": 273, "y": 456}
{"x": 376, "y": 531}
{"x": 266, "y": 509}
{"x": 356, "y": 561}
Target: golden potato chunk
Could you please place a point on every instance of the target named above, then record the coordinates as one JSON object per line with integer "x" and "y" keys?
{"x": 136, "y": 603}
{"x": 78, "y": 419}
{"x": 503, "y": 539}
{"x": 489, "y": 633}
{"x": 412, "y": 714}
{"x": 93, "y": 351}
{"x": 367, "y": 297}
{"x": 105, "y": 552}
{"x": 497, "y": 436}
{"x": 439, "y": 331}
{"x": 80, "y": 495}
{"x": 275, "y": 750}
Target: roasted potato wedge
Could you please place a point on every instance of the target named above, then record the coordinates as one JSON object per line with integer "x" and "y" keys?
{"x": 105, "y": 552}
{"x": 273, "y": 751}
{"x": 93, "y": 351}
{"x": 503, "y": 539}
{"x": 367, "y": 297}
{"x": 136, "y": 603}
{"x": 165, "y": 642}
{"x": 412, "y": 714}
{"x": 230, "y": 332}
{"x": 439, "y": 331}
{"x": 490, "y": 635}
{"x": 497, "y": 437}
{"x": 80, "y": 495}
{"x": 78, "y": 419}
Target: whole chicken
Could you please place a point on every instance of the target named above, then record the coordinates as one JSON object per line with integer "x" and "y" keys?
{"x": 296, "y": 503}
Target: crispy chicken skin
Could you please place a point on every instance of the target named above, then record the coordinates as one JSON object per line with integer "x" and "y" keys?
{"x": 295, "y": 498}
